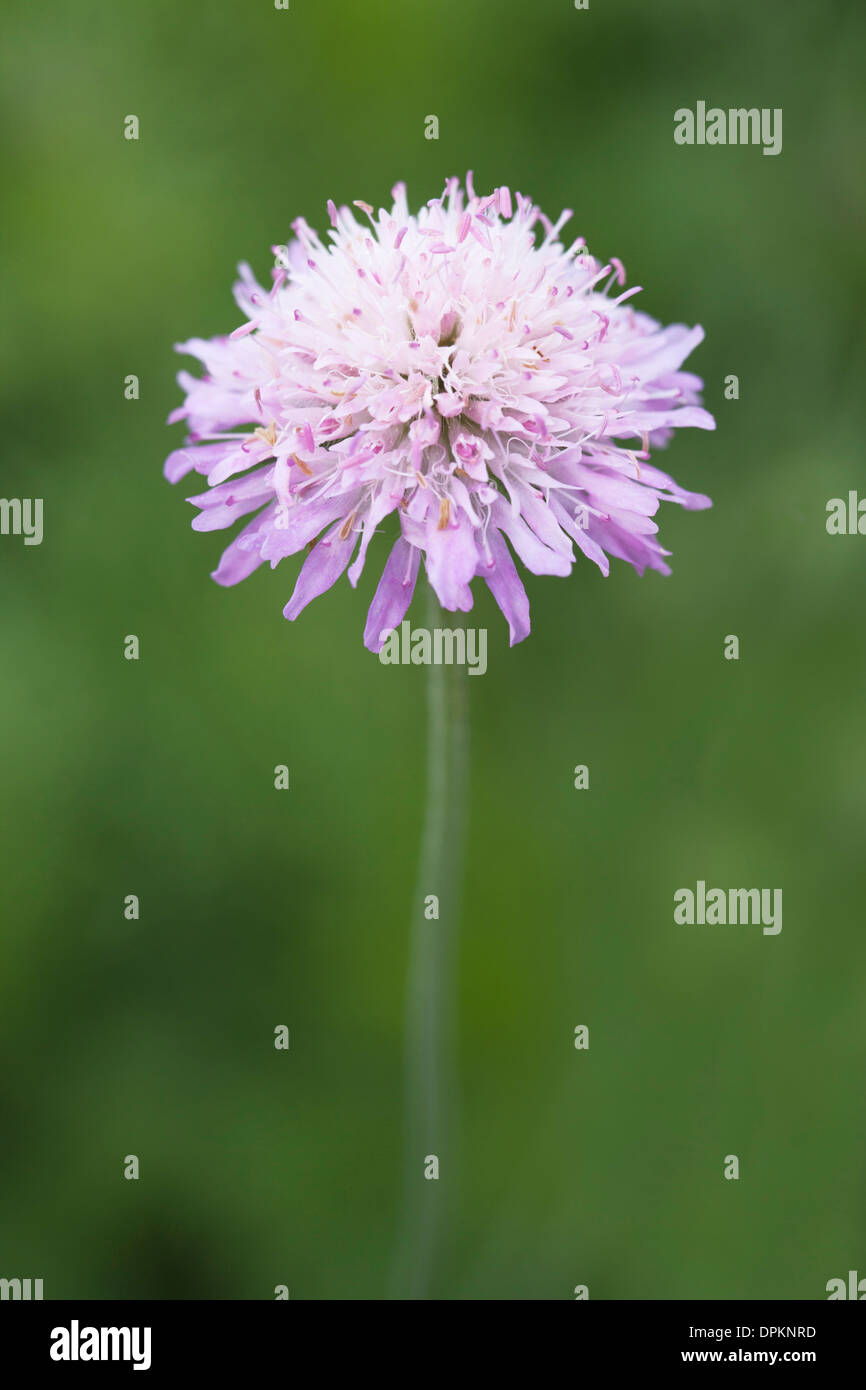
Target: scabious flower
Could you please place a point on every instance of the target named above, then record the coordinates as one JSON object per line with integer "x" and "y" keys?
{"x": 461, "y": 368}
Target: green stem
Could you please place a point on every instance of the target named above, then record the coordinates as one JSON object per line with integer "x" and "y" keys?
{"x": 430, "y": 1002}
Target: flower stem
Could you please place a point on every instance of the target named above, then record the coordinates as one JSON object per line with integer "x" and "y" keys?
{"x": 430, "y": 1002}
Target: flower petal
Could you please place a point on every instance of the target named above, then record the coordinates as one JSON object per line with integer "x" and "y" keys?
{"x": 322, "y": 568}
{"x": 393, "y": 594}
{"x": 504, "y": 583}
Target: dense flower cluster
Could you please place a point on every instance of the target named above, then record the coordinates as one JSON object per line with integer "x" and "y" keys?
{"x": 461, "y": 368}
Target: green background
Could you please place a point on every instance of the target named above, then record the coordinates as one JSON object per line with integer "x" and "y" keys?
{"x": 257, "y": 907}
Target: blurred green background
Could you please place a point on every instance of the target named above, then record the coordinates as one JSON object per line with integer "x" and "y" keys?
{"x": 257, "y": 907}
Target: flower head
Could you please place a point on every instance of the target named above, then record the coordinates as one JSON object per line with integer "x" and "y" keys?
{"x": 461, "y": 368}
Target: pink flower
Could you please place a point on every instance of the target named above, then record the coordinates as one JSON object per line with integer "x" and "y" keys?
{"x": 461, "y": 368}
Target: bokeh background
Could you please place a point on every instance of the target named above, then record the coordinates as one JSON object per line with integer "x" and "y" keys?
{"x": 257, "y": 907}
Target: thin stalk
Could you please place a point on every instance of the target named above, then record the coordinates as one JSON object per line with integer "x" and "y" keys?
{"x": 431, "y": 987}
